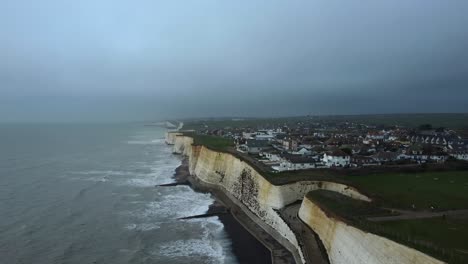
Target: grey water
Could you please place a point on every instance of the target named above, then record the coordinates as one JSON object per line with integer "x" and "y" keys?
{"x": 85, "y": 193}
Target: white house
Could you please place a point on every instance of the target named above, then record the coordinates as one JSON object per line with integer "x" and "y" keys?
{"x": 336, "y": 158}
{"x": 460, "y": 156}
{"x": 295, "y": 162}
{"x": 438, "y": 157}
{"x": 247, "y": 135}
{"x": 302, "y": 151}
{"x": 459, "y": 153}
{"x": 273, "y": 157}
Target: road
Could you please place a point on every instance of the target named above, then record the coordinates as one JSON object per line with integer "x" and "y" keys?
{"x": 306, "y": 237}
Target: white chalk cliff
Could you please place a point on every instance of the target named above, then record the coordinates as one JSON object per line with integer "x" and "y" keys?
{"x": 344, "y": 243}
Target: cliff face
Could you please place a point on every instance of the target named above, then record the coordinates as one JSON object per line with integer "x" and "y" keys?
{"x": 347, "y": 244}
{"x": 171, "y": 137}
{"x": 262, "y": 198}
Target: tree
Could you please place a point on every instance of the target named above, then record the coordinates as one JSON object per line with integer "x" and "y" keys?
{"x": 347, "y": 151}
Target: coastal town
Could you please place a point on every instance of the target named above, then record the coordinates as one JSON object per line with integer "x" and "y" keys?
{"x": 381, "y": 181}
{"x": 324, "y": 144}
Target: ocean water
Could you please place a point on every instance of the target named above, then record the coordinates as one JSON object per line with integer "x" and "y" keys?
{"x": 75, "y": 193}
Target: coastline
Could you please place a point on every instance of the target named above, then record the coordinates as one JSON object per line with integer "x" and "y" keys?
{"x": 273, "y": 209}
{"x": 245, "y": 245}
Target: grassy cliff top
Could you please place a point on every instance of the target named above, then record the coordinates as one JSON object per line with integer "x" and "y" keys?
{"x": 422, "y": 188}
{"x": 444, "y": 190}
{"x": 419, "y": 188}
{"x": 344, "y": 206}
{"x": 441, "y": 237}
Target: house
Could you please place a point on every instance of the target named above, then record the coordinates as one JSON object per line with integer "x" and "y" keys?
{"x": 451, "y": 141}
{"x": 242, "y": 148}
{"x": 438, "y": 157}
{"x": 459, "y": 153}
{"x": 296, "y": 162}
{"x": 272, "y": 156}
{"x": 290, "y": 144}
{"x": 332, "y": 142}
{"x": 280, "y": 137}
{"x": 264, "y": 135}
{"x": 317, "y": 149}
{"x": 362, "y": 161}
{"x": 303, "y": 152}
{"x": 336, "y": 158}
{"x": 247, "y": 135}
{"x": 256, "y": 146}
{"x": 385, "y": 156}
{"x": 390, "y": 138}
{"x": 417, "y": 153}
{"x": 376, "y": 135}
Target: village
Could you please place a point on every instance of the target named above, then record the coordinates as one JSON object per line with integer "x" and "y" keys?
{"x": 343, "y": 145}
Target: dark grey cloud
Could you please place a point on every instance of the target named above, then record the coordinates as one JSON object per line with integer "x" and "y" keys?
{"x": 132, "y": 60}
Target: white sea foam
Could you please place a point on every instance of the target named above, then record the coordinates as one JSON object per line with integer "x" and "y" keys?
{"x": 193, "y": 247}
{"x": 102, "y": 172}
{"x": 143, "y": 226}
{"x": 160, "y": 172}
{"x": 92, "y": 179}
{"x": 181, "y": 202}
{"x": 206, "y": 246}
{"x": 98, "y": 175}
{"x": 170, "y": 203}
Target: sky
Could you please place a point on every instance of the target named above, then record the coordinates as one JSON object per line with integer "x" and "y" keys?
{"x": 115, "y": 60}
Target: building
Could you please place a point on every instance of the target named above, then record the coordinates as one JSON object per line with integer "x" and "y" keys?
{"x": 336, "y": 158}
{"x": 362, "y": 161}
{"x": 296, "y": 162}
{"x": 272, "y": 156}
{"x": 385, "y": 156}
{"x": 459, "y": 153}
{"x": 290, "y": 144}
{"x": 256, "y": 146}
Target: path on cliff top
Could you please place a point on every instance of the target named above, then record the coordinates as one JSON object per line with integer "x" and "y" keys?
{"x": 306, "y": 237}
{"x": 408, "y": 215}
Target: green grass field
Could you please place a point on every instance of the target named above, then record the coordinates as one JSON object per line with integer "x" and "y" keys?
{"x": 344, "y": 206}
{"x": 442, "y": 190}
{"x": 213, "y": 142}
{"x": 448, "y": 232}
{"x": 443, "y": 238}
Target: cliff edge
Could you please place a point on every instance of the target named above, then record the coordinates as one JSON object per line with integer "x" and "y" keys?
{"x": 263, "y": 199}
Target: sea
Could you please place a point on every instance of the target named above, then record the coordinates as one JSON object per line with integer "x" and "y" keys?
{"x": 87, "y": 193}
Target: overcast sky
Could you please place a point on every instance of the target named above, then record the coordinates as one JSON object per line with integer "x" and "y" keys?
{"x": 140, "y": 60}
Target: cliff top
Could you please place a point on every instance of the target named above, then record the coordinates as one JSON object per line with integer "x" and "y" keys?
{"x": 441, "y": 237}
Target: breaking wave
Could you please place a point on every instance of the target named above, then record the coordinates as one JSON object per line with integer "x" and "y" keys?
{"x": 202, "y": 240}
{"x": 208, "y": 247}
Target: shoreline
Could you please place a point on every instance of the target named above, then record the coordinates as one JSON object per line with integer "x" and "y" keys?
{"x": 245, "y": 245}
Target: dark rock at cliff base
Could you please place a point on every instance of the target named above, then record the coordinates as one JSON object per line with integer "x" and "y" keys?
{"x": 182, "y": 172}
